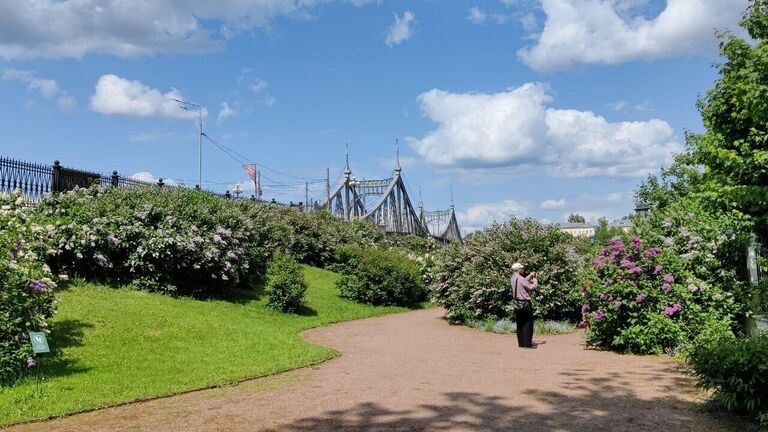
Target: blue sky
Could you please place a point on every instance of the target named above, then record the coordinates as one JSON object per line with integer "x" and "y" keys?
{"x": 529, "y": 108}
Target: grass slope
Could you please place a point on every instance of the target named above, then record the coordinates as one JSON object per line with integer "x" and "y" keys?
{"x": 112, "y": 345}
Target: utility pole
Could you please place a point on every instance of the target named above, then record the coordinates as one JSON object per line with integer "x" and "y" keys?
{"x": 258, "y": 190}
{"x": 189, "y": 106}
{"x": 306, "y": 197}
{"x": 328, "y": 187}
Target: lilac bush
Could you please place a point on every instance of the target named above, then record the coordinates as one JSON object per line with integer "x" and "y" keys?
{"x": 645, "y": 299}
{"x": 180, "y": 241}
{"x": 26, "y": 288}
{"x": 472, "y": 280}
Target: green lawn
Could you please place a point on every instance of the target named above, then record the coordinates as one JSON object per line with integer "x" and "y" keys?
{"x": 112, "y": 345}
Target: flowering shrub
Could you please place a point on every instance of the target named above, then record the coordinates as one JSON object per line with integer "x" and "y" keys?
{"x": 379, "y": 277}
{"x": 644, "y": 299}
{"x": 312, "y": 238}
{"x": 736, "y": 370}
{"x": 472, "y": 280}
{"x": 710, "y": 242}
{"x": 26, "y": 289}
{"x": 285, "y": 284}
{"x": 175, "y": 240}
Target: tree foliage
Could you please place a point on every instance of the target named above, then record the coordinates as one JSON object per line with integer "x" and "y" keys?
{"x": 576, "y": 218}
{"x": 734, "y": 148}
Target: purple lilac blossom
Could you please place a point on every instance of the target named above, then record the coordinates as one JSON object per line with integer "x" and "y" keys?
{"x": 585, "y": 308}
{"x": 640, "y": 298}
{"x": 597, "y": 316}
{"x": 636, "y": 270}
{"x": 651, "y": 252}
{"x": 658, "y": 269}
{"x": 668, "y": 278}
{"x": 38, "y": 286}
{"x": 581, "y": 324}
{"x": 636, "y": 242}
{"x": 604, "y": 296}
{"x": 627, "y": 264}
{"x": 617, "y": 304}
{"x": 599, "y": 262}
{"x": 692, "y": 287}
{"x": 666, "y": 287}
{"x": 31, "y": 363}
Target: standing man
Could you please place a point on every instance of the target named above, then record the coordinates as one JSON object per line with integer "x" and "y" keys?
{"x": 521, "y": 289}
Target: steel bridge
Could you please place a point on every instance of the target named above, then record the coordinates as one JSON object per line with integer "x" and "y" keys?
{"x": 386, "y": 202}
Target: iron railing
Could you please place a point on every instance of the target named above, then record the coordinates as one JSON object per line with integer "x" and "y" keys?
{"x": 38, "y": 180}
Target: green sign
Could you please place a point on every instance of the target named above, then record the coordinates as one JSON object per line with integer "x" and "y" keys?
{"x": 39, "y": 342}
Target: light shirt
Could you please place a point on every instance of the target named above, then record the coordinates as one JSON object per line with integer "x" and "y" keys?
{"x": 524, "y": 286}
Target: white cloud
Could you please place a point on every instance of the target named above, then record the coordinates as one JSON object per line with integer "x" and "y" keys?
{"x": 516, "y": 132}
{"x": 401, "y": 30}
{"x": 74, "y": 28}
{"x": 226, "y": 112}
{"x": 269, "y": 100}
{"x": 551, "y": 204}
{"x": 149, "y": 178}
{"x": 599, "y": 31}
{"x": 476, "y": 15}
{"x": 528, "y": 21}
{"x": 258, "y": 86}
{"x": 66, "y": 103}
{"x": 47, "y": 87}
{"x": 118, "y": 96}
{"x": 481, "y": 215}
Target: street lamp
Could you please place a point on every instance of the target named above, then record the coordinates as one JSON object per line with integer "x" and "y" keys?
{"x": 237, "y": 190}
{"x": 189, "y": 106}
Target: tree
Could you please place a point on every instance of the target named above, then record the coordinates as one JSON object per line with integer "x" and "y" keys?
{"x": 576, "y": 218}
{"x": 734, "y": 148}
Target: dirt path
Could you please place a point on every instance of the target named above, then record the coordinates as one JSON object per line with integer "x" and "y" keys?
{"x": 415, "y": 372}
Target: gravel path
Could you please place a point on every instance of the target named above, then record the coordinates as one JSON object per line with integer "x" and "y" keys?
{"x": 413, "y": 371}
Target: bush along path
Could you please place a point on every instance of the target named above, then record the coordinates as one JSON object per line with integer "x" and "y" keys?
{"x": 414, "y": 371}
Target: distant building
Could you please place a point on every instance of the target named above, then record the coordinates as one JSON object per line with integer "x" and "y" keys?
{"x": 578, "y": 229}
{"x": 623, "y": 224}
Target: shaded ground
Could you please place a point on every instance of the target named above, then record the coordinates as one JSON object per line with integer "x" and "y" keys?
{"x": 413, "y": 371}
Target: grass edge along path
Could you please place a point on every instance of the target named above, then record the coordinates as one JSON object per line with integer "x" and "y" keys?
{"x": 113, "y": 346}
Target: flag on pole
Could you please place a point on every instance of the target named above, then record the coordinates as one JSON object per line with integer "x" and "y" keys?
{"x": 251, "y": 170}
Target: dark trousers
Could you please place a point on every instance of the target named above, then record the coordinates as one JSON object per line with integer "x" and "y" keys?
{"x": 525, "y": 328}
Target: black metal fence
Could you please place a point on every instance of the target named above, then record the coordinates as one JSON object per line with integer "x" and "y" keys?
{"x": 38, "y": 180}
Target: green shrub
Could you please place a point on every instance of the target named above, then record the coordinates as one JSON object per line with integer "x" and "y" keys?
{"x": 312, "y": 238}
{"x": 644, "y": 300}
{"x": 286, "y": 286}
{"x": 173, "y": 240}
{"x": 379, "y": 277}
{"x": 737, "y": 371}
{"x": 26, "y": 289}
{"x": 472, "y": 280}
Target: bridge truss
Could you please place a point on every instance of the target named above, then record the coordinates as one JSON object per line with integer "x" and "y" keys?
{"x": 386, "y": 202}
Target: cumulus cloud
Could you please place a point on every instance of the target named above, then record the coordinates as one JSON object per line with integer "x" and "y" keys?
{"x": 551, "y": 204}
{"x": 118, "y": 96}
{"x": 74, "y": 28}
{"x": 226, "y": 112}
{"x": 515, "y": 131}
{"x": 46, "y": 87}
{"x": 481, "y": 215}
{"x": 149, "y": 178}
{"x": 476, "y": 15}
{"x": 401, "y": 30}
{"x": 606, "y": 32}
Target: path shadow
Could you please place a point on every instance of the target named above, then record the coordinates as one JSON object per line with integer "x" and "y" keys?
{"x": 591, "y": 405}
